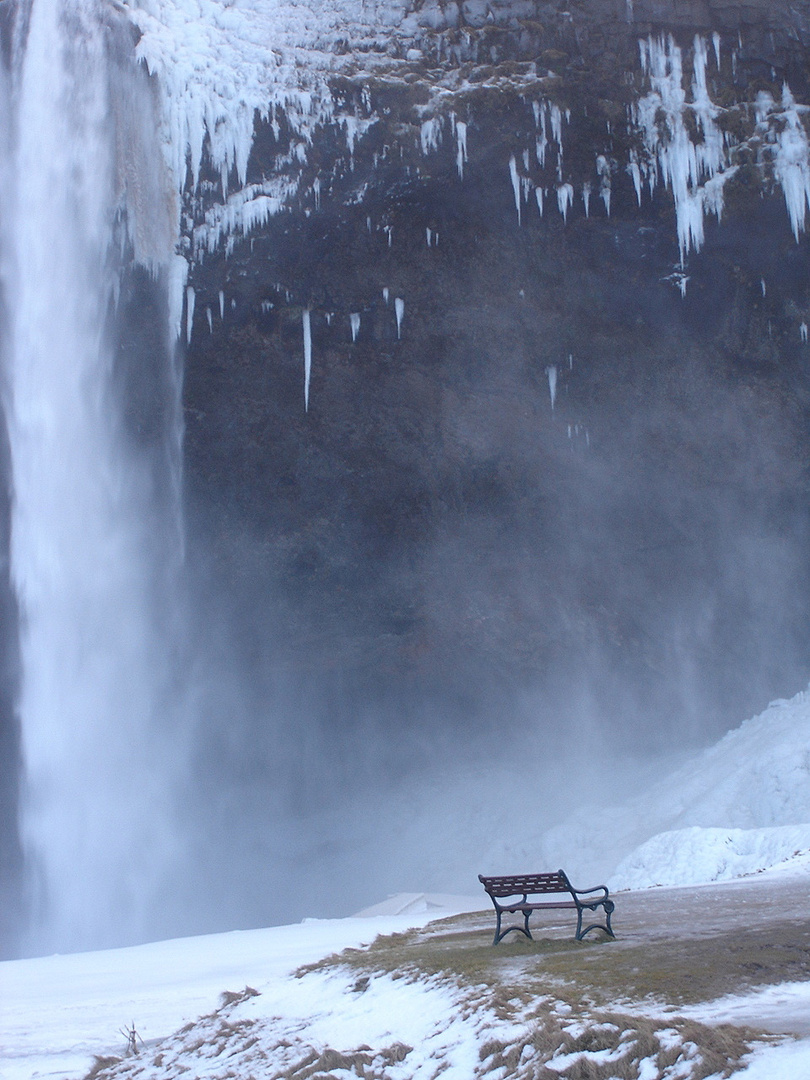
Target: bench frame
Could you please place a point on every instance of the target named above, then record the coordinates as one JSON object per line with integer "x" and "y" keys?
{"x": 526, "y": 885}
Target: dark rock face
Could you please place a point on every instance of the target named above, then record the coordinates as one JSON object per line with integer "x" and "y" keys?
{"x": 432, "y": 527}
{"x": 436, "y": 560}
{"x": 560, "y": 508}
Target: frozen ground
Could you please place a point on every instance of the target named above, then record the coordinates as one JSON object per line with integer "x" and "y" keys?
{"x": 60, "y": 1012}
{"x": 722, "y": 952}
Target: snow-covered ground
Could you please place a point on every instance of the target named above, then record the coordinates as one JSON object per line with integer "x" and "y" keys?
{"x": 59, "y": 1013}
{"x": 738, "y": 808}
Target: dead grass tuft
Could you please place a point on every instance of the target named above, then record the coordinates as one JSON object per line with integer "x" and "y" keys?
{"x": 232, "y": 997}
{"x": 100, "y": 1065}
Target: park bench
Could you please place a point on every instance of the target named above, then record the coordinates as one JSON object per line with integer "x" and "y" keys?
{"x": 507, "y": 889}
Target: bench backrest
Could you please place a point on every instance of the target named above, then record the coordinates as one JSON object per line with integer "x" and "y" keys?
{"x": 526, "y": 883}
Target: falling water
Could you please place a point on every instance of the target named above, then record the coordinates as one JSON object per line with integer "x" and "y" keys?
{"x": 90, "y": 545}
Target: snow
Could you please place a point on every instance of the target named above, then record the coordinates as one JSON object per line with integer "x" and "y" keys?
{"x": 56, "y": 1012}
{"x": 740, "y": 807}
{"x": 695, "y": 855}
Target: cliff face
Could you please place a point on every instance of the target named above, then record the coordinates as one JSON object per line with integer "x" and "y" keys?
{"x": 552, "y": 474}
{"x": 496, "y": 403}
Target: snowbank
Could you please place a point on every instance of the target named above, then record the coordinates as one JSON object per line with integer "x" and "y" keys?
{"x": 694, "y": 856}
{"x": 738, "y": 807}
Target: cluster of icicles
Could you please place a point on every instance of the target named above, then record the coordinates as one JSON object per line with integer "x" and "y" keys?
{"x": 681, "y": 143}
{"x": 693, "y": 168}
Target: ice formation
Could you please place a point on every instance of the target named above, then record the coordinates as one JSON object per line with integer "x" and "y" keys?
{"x": 513, "y": 174}
{"x": 694, "y": 172}
{"x": 803, "y": 332}
{"x": 461, "y": 147}
{"x": 603, "y": 172}
{"x": 399, "y": 310}
{"x": 551, "y": 372}
{"x": 307, "y": 327}
{"x": 190, "y": 301}
{"x": 565, "y": 197}
{"x": 354, "y": 321}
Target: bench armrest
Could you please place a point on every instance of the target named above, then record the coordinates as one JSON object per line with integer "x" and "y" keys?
{"x": 597, "y": 888}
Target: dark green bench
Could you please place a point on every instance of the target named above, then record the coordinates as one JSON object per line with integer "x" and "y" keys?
{"x": 524, "y": 886}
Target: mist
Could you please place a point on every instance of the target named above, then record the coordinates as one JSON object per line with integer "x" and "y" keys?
{"x": 539, "y": 534}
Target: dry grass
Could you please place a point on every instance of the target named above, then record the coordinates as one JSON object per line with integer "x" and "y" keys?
{"x": 588, "y": 1010}
{"x": 675, "y": 970}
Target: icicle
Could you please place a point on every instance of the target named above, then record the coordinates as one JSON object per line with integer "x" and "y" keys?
{"x": 552, "y": 384}
{"x": 431, "y": 134}
{"x": 368, "y": 223}
{"x": 570, "y": 361}
{"x": 538, "y": 194}
{"x": 316, "y": 191}
{"x": 803, "y": 332}
{"x": 513, "y": 173}
{"x": 210, "y": 319}
{"x": 354, "y": 320}
{"x": 221, "y": 304}
{"x": 190, "y": 300}
{"x": 526, "y": 160}
{"x": 536, "y": 110}
{"x": 429, "y": 236}
{"x": 635, "y": 173}
{"x": 762, "y": 286}
{"x": 556, "y": 125}
{"x": 565, "y": 197}
{"x": 307, "y": 355}
{"x": 792, "y": 159}
{"x": 461, "y": 147}
{"x": 329, "y": 316}
{"x": 716, "y": 44}
{"x": 386, "y": 294}
{"x": 603, "y": 172}
{"x": 389, "y": 230}
{"x": 399, "y": 308}
{"x": 694, "y": 172}
{"x": 586, "y": 197}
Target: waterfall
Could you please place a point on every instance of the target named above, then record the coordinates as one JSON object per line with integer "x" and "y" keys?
{"x": 94, "y": 535}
